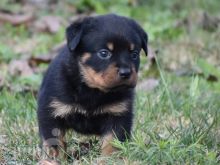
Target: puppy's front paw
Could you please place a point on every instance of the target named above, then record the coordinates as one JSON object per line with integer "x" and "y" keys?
{"x": 107, "y": 148}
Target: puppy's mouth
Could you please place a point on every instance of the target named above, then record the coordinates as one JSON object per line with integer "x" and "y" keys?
{"x": 120, "y": 85}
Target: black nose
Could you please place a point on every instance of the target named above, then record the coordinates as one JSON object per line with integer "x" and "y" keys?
{"x": 124, "y": 72}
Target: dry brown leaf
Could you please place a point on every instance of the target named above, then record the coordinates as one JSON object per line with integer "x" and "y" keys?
{"x": 35, "y": 61}
{"x": 20, "y": 67}
{"x": 24, "y": 47}
{"x": 151, "y": 54}
{"x": 16, "y": 19}
{"x": 46, "y": 58}
{"x": 50, "y": 24}
{"x": 209, "y": 23}
{"x": 148, "y": 84}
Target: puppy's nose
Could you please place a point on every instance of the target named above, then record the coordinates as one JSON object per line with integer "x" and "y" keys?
{"x": 124, "y": 73}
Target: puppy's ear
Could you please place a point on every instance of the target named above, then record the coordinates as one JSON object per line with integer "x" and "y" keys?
{"x": 143, "y": 35}
{"x": 144, "y": 39}
{"x": 73, "y": 34}
{"x": 75, "y": 30}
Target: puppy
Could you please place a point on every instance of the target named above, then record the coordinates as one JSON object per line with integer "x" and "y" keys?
{"x": 89, "y": 86}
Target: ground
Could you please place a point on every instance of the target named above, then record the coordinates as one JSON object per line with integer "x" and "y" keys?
{"x": 177, "y": 119}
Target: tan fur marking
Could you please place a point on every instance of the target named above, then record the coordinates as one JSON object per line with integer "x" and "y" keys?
{"x": 62, "y": 110}
{"x": 131, "y": 46}
{"x": 110, "y": 46}
{"x": 107, "y": 79}
{"x": 110, "y": 76}
{"x": 85, "y": 57}
{"x": 134, "y": 77}
{"x": 94, "y": 79}
{"x": 107, "y": 148}
{"x": 116, "y": 108}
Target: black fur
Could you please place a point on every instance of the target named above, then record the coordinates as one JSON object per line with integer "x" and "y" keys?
{"x": 63, "y": 79}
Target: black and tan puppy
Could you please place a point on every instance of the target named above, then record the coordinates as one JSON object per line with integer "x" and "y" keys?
{"x": 89, "y": 86}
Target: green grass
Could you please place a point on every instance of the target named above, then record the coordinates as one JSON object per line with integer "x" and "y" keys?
{"x": 178, "y": 122}
{"x": 182, "y": 133}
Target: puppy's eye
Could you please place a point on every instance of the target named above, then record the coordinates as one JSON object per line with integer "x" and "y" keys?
{"x": 104, "y": 54}
{"x": 134, "y": 55}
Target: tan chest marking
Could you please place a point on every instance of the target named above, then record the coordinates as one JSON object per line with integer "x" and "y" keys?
{"x": 62, "y": 109}
{"x": 116, "y": 108}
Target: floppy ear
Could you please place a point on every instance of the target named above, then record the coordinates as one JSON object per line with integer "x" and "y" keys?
{"x": 144, "y": 39}
{"x": 143, "y": 35}
{"x": 73, "y": 34}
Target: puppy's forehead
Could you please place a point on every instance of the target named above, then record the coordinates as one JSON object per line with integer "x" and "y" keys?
{"x": 112, "y": 41}
{"x": 112, "y": 31}
{"x": 115, "y": 26}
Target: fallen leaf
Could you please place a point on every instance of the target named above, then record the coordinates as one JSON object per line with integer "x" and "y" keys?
{"x": 210, "y": 23}
{"x": 46, "y": 58}
{"x": 212, "y": 78}
{"x": 151, "y": 54}
{"x": 25, "y": 47}
{"x": 35, "y": 61}
{"x": 148, "y": 84}
{"x": 16, "y": 19}
{"x": 50, "y": 24}
{"x": 20, "y": 67}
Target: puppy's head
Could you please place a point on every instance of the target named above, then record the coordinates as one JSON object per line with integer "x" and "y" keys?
{"x": 107, "y": 49}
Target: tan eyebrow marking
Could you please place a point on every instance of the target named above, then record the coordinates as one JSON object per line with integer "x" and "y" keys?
{"x": 110, "y": 46}
{"x": 85, "y": 57}
{"x": 131, "y": 46}
{"x": 116, "y": 108}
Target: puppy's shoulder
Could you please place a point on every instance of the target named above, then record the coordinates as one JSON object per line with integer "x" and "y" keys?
{"x": 56, "y": 70}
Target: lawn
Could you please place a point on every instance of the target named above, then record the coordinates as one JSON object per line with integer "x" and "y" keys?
{"x": 177, "y": 110}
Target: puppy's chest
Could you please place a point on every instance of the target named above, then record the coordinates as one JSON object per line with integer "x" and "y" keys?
{"x": 63, "y": 110}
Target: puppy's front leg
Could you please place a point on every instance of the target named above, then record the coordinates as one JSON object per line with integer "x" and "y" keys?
{"x": 52, "y": 136}
{"x": 120, "y": 128}
{"x": 54, "y": 146}
{"x": 52, "y": 142}
{"x": 107, "y": 147}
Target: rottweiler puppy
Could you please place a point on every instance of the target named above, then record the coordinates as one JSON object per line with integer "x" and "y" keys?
{"x": 89, "y": 86}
